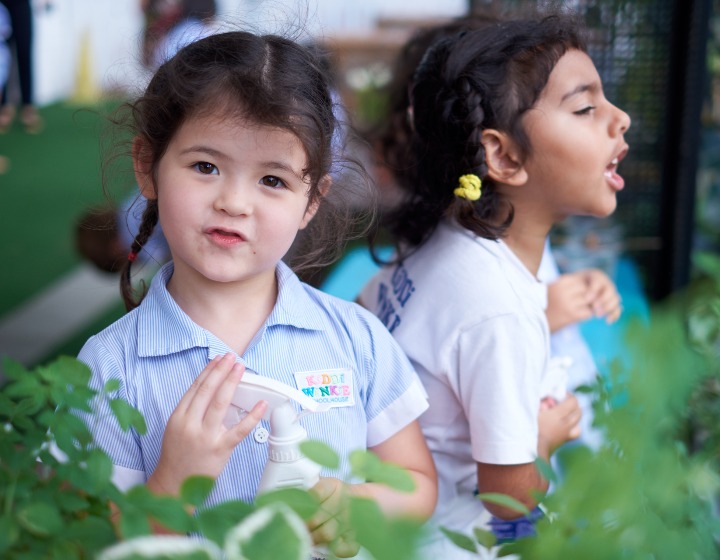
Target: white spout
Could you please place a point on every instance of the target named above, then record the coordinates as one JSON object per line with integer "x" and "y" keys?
{"x": 286, "y": 466}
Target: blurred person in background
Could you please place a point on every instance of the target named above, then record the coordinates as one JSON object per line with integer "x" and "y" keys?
{"x": 20, "y": 41}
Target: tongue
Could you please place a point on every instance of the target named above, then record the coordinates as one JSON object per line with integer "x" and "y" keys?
{"x": 616, "y": 181}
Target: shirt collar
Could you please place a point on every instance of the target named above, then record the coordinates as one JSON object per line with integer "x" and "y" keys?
{"x": 164, "y": 328}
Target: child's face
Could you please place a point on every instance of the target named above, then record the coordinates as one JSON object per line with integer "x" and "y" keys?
{"x": 576, "y": 139}
{"x": 231, "y": 198}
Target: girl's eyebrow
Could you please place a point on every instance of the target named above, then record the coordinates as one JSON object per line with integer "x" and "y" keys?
{"x": 282, "y": 166}
{"x": 203, "y": 149}
{"x": 582, "y": 88}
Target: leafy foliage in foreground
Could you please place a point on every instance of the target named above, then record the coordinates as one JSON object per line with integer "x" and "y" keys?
{"x": 61, "y": 508}
{"x": 651, "y": 490}
{"x": 647, "y": 492}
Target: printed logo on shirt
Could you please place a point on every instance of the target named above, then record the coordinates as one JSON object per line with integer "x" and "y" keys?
{"x": 333, "y": 387}
{"x": 402, "y": 289}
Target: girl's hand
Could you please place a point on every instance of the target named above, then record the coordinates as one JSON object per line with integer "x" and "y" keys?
{"x": 604, "y": 298}
{"x": 558, "y": 424}
{"x": 196, "y": 442}
{"x": 569, "y": 301}
{"x": 330, "y": 524}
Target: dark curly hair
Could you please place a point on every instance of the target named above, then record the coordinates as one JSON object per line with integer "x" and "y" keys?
{"x": 475, "y": 75}
{"x": 268, "y": 80}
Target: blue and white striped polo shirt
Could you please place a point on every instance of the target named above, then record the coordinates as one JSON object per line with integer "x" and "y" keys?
{"x": 156, "y": 351}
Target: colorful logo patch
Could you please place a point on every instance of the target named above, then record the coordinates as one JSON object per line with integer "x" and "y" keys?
{"x": 333, "y": 387}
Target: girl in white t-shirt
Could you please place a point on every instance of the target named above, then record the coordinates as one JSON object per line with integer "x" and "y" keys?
{"x": 509, "y": 133}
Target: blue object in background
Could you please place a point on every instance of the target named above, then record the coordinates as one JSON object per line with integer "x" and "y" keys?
{"x": 607, "y": 342}
{"x": 351, "y": 273}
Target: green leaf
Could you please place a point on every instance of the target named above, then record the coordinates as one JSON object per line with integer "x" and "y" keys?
{"x": 167, "y": 510}
{"x": 66, "y": 370}
{"x": 30, "y": 405}
{"x": 14, "y": 370}
{"x": 74, "y": 426}
{"x": 9, "y": 532}
{"x": 707, "y": 262}
{"x": 385, "y": 538}
{"x": 274, "y": 531}
{"x": 394, "y": 477}
{"x": 367, "y": 466}
{"x": 460, "y": 540}
{"x": 215, "y": 522}
{"x": 111, "y": 386}
{"x": 505, "y": 501}
{"x": 71, "y": 502}
{"x": 6, "y": 405}
{"x": 66, "y": 550}
{"x": 545, "y": 469}
{"x": 127, "y": 416}
{"x": 133, "y": 523}
{"x": 320, "y": 453}
{"x": 300, "y": 501}
{"x": 93, "y": 532}
{"x": 485, "y": 538}
{"x": 584, "y": 389}
{"x": 196, "y": 489}
{"x": 363, "y": 463}
{"x": 99, "y": 469}
{"x": 40, "y": 519}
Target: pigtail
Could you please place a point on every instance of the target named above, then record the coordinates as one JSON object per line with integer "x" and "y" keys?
{"x": 129, "y": 294}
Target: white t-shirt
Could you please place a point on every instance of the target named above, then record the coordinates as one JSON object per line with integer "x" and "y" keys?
{"x": 470, "y": 317}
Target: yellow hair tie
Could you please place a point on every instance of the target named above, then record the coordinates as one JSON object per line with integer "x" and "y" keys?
{"x": 469, "y": 187}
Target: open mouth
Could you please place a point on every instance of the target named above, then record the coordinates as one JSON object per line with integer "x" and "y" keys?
{"x": 611, "y": 174}
{"x": 225, "y": 237}
{"x": 615, "y": 180}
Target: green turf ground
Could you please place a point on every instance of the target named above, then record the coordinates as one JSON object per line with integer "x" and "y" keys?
{"x": 53, "y": 177}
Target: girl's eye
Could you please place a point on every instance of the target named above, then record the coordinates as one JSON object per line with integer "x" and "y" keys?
{"x": 272, "y": 181}
{"x": 205, "y": 168}
{"x": 586, "y": 111}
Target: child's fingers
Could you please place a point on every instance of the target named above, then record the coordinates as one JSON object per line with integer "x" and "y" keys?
{"x": 614, "y": 315}
{"x": 345, "y": 547}
{"x": 607, "y": 306}
{"x": 206, "y": 390}
{"x": 326, "y": 531}
{"x": 190, "y": 393}
{"x": 218, "y": 406}
{"x": 569, "y": 410}
{"x": 241, "y": 430}
{"x": 328, "y": 493}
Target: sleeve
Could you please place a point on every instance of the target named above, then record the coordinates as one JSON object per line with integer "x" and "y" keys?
{"x": 122, "y": 446}
{"x": 498, "y": 383}
{"x": 395, "y": 396}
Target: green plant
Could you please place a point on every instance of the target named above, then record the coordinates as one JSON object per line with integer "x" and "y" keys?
{"x": 651, "y": 489}
{"x": 50, "y": 508}
{"x": 55, "y": 508}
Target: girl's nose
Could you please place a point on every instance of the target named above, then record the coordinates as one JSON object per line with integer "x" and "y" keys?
{"x": 233, "y": 199}
{"x": 621, "y": 120}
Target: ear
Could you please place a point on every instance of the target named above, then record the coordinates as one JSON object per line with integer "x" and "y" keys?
{"x": 143, "y": 168}
{"x": 503, "y": 158}
{"x": 323, "y": 186}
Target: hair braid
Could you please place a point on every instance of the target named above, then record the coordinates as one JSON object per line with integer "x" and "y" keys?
{"x": 476, "y": 215}
{"x": 147, "y": 226}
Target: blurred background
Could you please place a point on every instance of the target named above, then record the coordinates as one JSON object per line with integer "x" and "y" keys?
{"x": 659, "y": 60}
